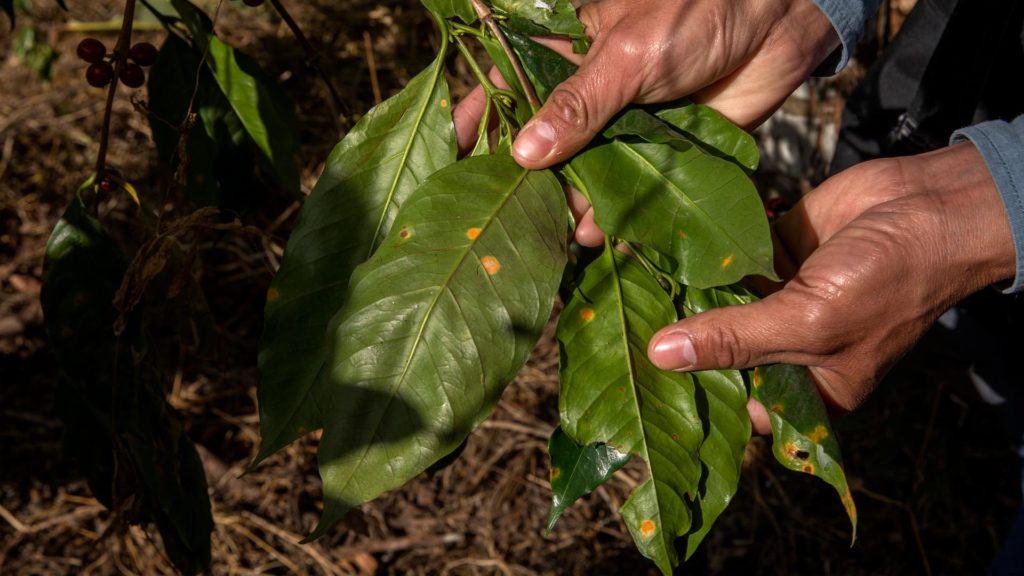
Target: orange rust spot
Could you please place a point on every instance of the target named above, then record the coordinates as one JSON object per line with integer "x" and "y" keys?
{"x": 790, "y": 449}
{"x": 778, "y": 408}
{"x": 809, "y": 468}
{"x": 555, "y": 473}
{"x": 675, "y": 437}
{"x": 757, "y": 380}
{"x": 727, "y": 261}
{"x": 405, "y": 234}
{"x": 491, "y": 265}
{"x": 819, "y": 434}
{"x": 647, "y": 528}
{"x": 473, "y": 233}
{"x": 587, "y": 314}
{"x": 273, "y": 295}
{"x": 444, "y": 103}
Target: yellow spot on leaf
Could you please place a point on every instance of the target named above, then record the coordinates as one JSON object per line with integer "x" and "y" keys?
{"x": 778, "y": 408}
{"x": 675, "y": 437}
{"x": 727, "y": 261}
{"x": 819, "y": 434}
{"x": 491, "y": 265}
{"x": 647, "y": 528}
{"x": 473, "y": 233}
{"x": 273, "y": 295}
{"x": 587, "y": 314}
{"x": 809, "y": 468}
{"x": 790, "y": 449}
{"x": 757, "y": 378}
{"x": 555, "y": 473}
{"x": 405, "y": 234}
{"x": 444, "y": 103}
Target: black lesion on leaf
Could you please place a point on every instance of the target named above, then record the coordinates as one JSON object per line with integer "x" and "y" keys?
{"x": 802, "y": 454}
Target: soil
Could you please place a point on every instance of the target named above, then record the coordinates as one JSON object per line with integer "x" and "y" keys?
{"x": 935, "y": 483}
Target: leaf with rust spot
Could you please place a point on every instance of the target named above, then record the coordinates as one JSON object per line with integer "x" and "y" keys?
{"x": 578, "y": 470}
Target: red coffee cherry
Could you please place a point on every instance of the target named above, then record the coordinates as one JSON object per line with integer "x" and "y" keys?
{"x": 132, "y": 75}
{"x": 105, "y": 185}
{"x": 143, "y": 53}
{"x": 91, "y": 50}
{"x": 99, "y": 74}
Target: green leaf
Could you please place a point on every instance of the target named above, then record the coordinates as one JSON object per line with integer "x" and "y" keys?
{"x": 696, "y": 208}
{"x": 368, "y": 176}
{"x": 263, "y": 108}
{"x": 722, "y": 404}
{"x": 707, "y": 127}
{"x": 578, "y": 470}
{"x": 612, "y": 394}
{"x": 557, "y": 17}
{"x": 802, "y": 437}
{"x": 544, "y": 67}
{"x": 444, "y": 9}
{"x": 437, "y": 323}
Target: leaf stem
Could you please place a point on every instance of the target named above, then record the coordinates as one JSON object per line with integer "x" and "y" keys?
{"x": 124, "y": 40}
{"x": 488, "y": 19}
{"x": 666, "y": 281}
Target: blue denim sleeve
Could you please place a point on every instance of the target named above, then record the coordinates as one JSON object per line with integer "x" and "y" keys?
{"x": 848, "y": 18}
{"x": 1002, "y": 146}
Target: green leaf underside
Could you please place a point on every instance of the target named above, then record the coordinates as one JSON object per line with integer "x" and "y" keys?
{"x": 708, "y": 127}
{"x": 557, "y": 17}
{"x": 262, "y": 107}
{"x": 368, "y": 176}
{"x": 444, "y": 9}
{"x": 802, "y": 437}
{"x": 612, "y": 394}
{"x": 578, "y": 470}
{"x": 437, "y": 323}
{"x": 696, "y": 208}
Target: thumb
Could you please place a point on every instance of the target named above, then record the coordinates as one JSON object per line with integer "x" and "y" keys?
{"x": 764, "y": 332}
{"x": 578, "y": 108}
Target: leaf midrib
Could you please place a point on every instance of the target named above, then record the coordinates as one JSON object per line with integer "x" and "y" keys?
{"x": 621, "y": 309}
{"x": 402, "y": 377}
{"x": 438, "y": 68}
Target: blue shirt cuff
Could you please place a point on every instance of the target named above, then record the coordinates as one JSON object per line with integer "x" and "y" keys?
{"x": 1002, "y": 146}
{"x": 848, "y": 18}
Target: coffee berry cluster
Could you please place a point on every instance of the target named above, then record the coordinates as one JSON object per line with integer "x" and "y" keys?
{"x": 101, "y": 68}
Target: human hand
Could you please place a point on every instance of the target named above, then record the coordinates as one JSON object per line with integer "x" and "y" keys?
{"x": 742, "y": 58}
{"x": 875, "y": 255}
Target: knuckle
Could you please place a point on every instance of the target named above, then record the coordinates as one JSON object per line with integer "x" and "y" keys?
{"x": 569, "y": 107}
{"x": 725, "y": 347}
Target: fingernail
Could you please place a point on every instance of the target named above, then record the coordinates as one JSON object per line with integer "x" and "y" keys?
{"x": 674, "y": 351}
{"x": 534, "y": 142}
